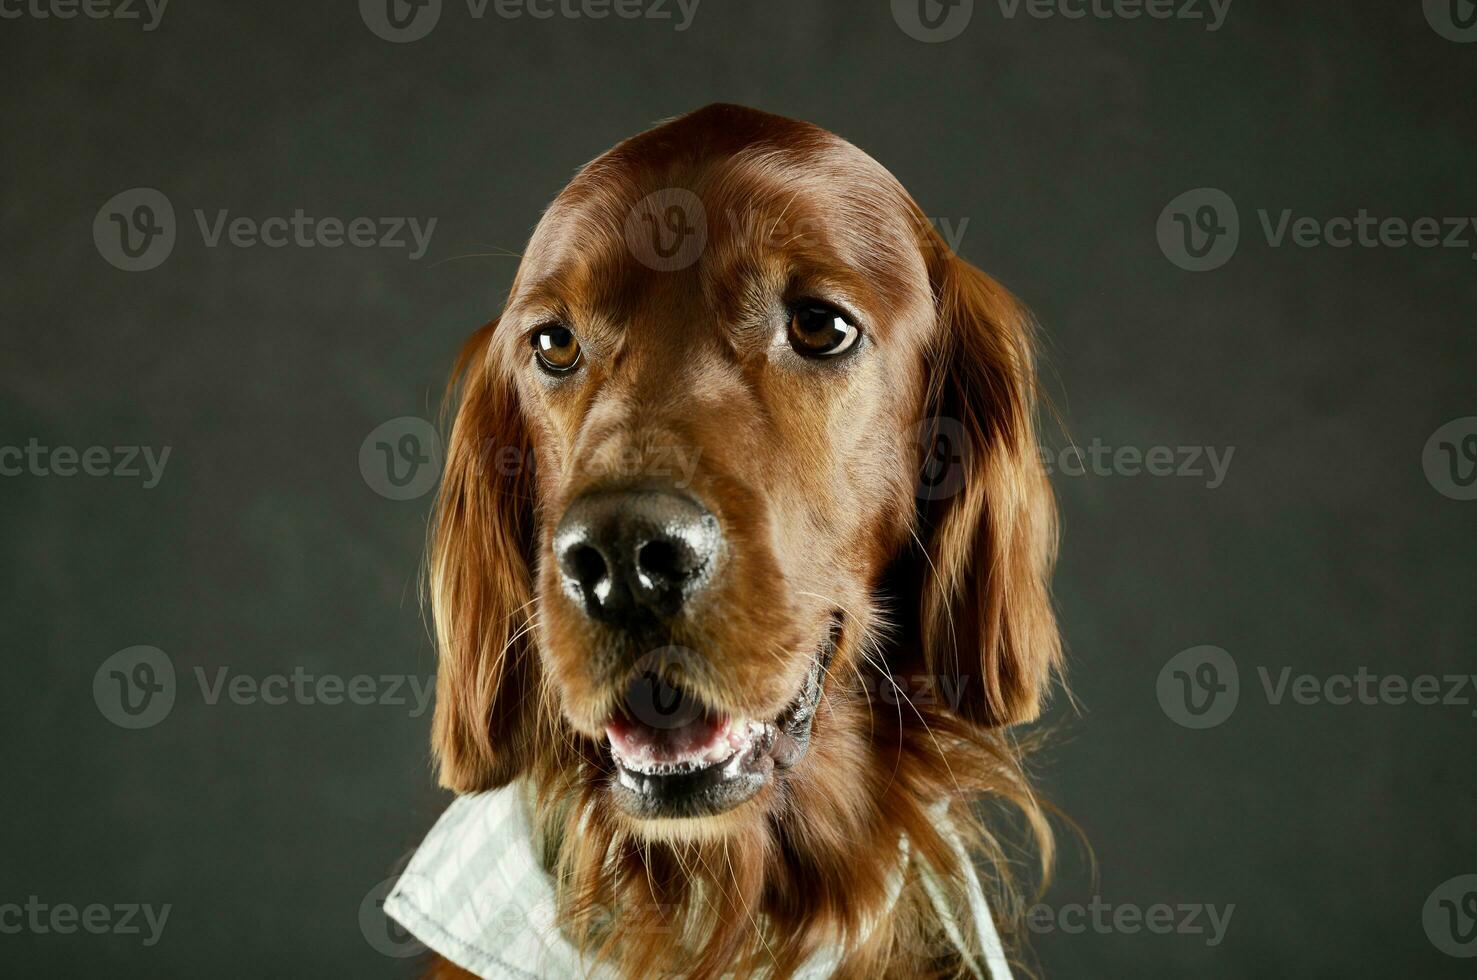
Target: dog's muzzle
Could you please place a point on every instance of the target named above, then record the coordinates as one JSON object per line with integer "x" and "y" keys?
{"x": 676, "y": 757}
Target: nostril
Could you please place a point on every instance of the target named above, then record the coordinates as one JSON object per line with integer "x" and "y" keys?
{"x": 586, "y": 565}
{"x": 664, "y": 560}
{"x": 630, "y": 558}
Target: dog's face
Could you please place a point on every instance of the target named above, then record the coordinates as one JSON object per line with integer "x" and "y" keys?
{"x": 682, "y": 486}
{"x": 718, "y": 445}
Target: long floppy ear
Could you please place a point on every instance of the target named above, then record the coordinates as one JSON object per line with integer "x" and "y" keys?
{"x": 480, "y": 582}
{"x": 990, "y": 534}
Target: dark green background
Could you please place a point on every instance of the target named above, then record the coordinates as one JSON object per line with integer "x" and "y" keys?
{"x": 1060, "y": 141}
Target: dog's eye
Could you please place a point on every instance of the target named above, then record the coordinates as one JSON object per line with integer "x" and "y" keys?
{"x": 819, "y": 330}
{"x": 556, "y": 348}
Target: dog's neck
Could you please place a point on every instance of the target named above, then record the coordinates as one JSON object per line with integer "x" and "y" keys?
{"x": 482, "y": 892}
{"x": 870, "y": 870}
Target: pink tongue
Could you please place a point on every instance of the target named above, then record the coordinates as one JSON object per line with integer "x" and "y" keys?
{"x": 703, "y": 739}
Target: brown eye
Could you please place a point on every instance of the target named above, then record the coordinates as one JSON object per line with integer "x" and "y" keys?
{"x": 556, "y": 348}
{"x": 818, "y": 330}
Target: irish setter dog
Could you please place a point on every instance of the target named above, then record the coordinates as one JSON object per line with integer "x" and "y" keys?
{"x": 741, "y": 561}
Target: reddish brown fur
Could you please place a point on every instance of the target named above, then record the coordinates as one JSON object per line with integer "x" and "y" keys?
{"x": 811, "y": 471}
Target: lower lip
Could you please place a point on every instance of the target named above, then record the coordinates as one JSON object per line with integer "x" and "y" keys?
{"x": 713, "y": 743}
{"x": 702, "y": 784}
{"x": 704, "y": 792}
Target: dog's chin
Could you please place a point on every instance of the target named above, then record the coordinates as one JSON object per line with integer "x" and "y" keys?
{"x": 681, "y": 768}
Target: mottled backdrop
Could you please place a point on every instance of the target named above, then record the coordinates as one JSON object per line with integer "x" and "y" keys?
{"x": 242, "y": 242}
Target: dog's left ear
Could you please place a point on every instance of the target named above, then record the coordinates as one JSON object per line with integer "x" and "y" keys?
{"x": 988, "y": 520}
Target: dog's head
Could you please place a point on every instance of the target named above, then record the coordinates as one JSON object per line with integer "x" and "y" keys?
{"x": 747, "y": 443}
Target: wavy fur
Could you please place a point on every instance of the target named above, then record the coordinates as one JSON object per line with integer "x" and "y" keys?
{"x": 954, "y": 591}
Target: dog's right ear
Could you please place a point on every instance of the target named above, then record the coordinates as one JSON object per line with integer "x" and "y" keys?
{"x": 481, "y": 583}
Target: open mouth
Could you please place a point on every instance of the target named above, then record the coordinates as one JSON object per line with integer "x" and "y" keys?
{"x": 678, "y": 757}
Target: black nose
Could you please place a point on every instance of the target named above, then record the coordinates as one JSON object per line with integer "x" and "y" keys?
{"x": 629, "y": 556}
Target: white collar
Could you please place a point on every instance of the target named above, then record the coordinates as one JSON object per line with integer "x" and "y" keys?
{"x": 476, "y": 893}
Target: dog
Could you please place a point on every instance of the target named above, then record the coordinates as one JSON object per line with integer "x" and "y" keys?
{"x": 740, "y": 568}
